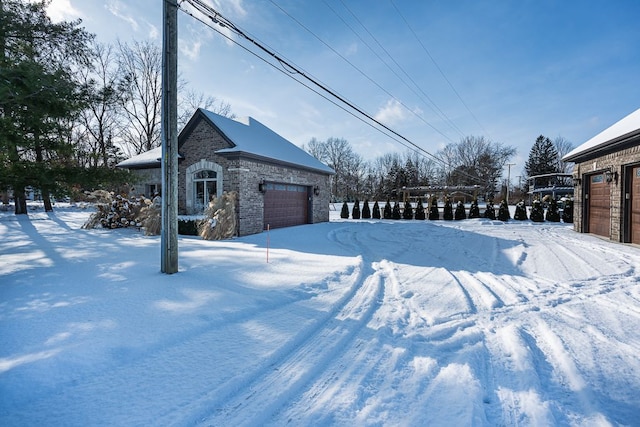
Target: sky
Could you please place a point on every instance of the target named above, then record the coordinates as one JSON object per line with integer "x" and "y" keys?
{"x": 432, "y": 71}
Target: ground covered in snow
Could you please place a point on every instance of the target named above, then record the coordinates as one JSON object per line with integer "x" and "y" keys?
{"x": 473, "y": 322}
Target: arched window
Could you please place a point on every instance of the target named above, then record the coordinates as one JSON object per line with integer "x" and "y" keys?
{"x": 205, "y": 187}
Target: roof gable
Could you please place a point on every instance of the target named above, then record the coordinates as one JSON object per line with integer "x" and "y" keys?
{"x": 619, "y": 132}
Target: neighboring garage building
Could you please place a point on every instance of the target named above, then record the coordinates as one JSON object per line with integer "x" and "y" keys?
{"x": 278, "y": 184}
{"x": 607, "y": 182}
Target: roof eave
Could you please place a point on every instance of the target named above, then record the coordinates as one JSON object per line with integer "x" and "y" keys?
{"x": 616, "y": 144}
{"x": 264, "y": 159}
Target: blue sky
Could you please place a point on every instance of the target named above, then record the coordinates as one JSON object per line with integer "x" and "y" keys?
{"x": 504, "y": 69}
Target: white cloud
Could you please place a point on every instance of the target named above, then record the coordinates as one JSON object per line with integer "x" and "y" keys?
{"x": 391, "y": 113}
{"x": 62, "y": 10}
{"x": 190, "y": 49}
{"x": 118, "y": 10}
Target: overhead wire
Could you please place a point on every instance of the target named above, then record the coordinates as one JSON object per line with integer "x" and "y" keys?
{"x": 220, "y": 20}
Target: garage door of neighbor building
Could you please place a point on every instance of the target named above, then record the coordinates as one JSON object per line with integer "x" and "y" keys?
{"x": 634, "y": 193}
{"x": 285, "y": 205}
{"x": 599, "y": 214}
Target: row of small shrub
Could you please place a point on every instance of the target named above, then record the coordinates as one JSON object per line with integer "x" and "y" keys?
{"x": 432, "y": 212}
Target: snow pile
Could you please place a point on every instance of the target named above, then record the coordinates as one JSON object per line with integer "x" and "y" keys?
{"x": 376, "y": 322}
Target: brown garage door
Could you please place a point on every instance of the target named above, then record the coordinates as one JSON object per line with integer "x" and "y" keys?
{"x": 285, "y": 205}
{"x": 599, "y": 206}
{"x": 635, "y": 205}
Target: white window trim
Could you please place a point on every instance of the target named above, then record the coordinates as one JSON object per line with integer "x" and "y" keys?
{"x": 191, "y": 171}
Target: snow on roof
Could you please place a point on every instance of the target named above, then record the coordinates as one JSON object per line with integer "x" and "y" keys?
{"x": 627, "y": 125}
{"x": 147, "y": 159}
{"x": 252, "y": 137}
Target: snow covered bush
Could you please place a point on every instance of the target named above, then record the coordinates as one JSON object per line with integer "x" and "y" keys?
{"x": 395, "y": 214}
{"x": 460, "y": 212}
{"x": 355, "y": 212}
{"x": 474, "y": 209}
{"x": 567, "y": 212}
{"x": 490, "y": 210}
{"x": 220, "y": 218}
{"x": 366, "y": 212}
{"x": 408, "y": 210}
{"x": 344, "y": 213}
{"x": 521, "y": 211}
{"x": 537, "y": 212}
{"x": 376, "y": 210}
{"x": 553, "y": 215}
{"x": 448, "y": 209}
{"x": 434, "y": 213}
{"x": 419, "y": 214}
{"x": 118, "y": 211}
{"x": 387, "y": 210}
{"x": 503, "y": 211}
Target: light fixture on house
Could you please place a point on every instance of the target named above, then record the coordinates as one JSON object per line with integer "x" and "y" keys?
{"x": 261, "y": 186}
{"x": 611, "y": 175}
{"x": 577, "y": 181}
{"x": 316, "y": 190}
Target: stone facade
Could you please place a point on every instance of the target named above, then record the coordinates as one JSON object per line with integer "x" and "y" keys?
{"x": 620, "y": 163}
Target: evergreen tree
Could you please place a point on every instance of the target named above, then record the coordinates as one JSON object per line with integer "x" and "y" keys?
{"x": 460, "y": 212}
{"x": 543, "y": 158}
{"x": 387, "y": 210}
{"x": 537, "y": 212}
{"x": 490, "y": 211}
{"x": 434, "y": 213}
{"x": 567, "y": 212}
{"x": 366, "y": 212}
{"x": 503, "y": 211}
{"x": 448, "y": 209}
{"x": 396, "y": 211}
{"x": 355, "y": 212}
{"x": 474, "y": 209}
{"x": 521, "y": 211}
{"x": 376, "y": 211}
{"x": 344, "y": 213}
{"x": 420, "y": 215}
{"x": 408, "y": 210}
{"x": 553, "y": 215}
{"x": 40, "y": 95}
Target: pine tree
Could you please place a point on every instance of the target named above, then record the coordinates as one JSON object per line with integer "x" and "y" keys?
{"x": 344, "y": 213}
{"x": 376, "y": 211}
{"x": 420, "y": 215}
{"x": 567, "y": 211}
{"x": 355, "y": 212}
{"x": 408, "y": 210}
{"x": 503, "y": 211}
{"x": 460, "y": 212}
{"x": 521, "y": 211}
{"x": 474, "y": 209}
{"x": 537, "y": 212}
{"x": 434, "y": 213}
{"x": 490, "y": 211}
{"x": 448, "y": 209}
{"x": 543, "y": 158}
{"x": 387, "y": 210}
{"x": 366, "y": 212}
{"x": 396, "y": 211}
{"x": 552, "y": 215}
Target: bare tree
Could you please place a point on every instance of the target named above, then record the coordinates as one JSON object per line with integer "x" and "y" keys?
{"x": 192, "y": 100}
{"x": 140, "y": 68}
{"x": 563, "y": 146}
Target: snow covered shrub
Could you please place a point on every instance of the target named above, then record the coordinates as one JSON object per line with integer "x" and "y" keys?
{"x": 387, "y": 210}
{"x": 537, "y": 212}
{"x": 474, "y": 209}
{"x": 395, "y": 214}
{"x": 490, "y": 211}
{"x": 366, "y": 212}
{"x": 553, "y": 215}
{"x": 116, "y": 211}
{"x": 567, "y": 212}
{"x": 503, "y": 211}
{"x": 420, "y": 210}
{"x": 344, "y": 213}
{"x": 434, "y": 213}
{"x": 188, "y": 226}
{"x": 376, "y": 210}
{"x": 220, "y": 218}
{"x": 448, "y": 209}
{"x": 355, "y": 212}
{"x": 460, "y": 212}
{"x": 408, "y": 210}
{"x": 521, "y": 211}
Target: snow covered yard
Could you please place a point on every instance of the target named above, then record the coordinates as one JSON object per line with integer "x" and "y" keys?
{"x": 471, "y": 322}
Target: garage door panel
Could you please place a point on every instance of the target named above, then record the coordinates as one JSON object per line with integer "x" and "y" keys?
{"x": 285, "y": 205}
{"x": 599, "y": 206}
{"x": 635, "y": 205}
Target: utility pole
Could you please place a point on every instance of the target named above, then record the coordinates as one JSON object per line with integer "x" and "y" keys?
{"x": 509, "y": 179}
{"x": 169, "y": 129}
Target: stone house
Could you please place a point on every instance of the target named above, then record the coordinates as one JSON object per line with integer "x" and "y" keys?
{"x": 278, "y": 184}
{"x": 606, "y": 177}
